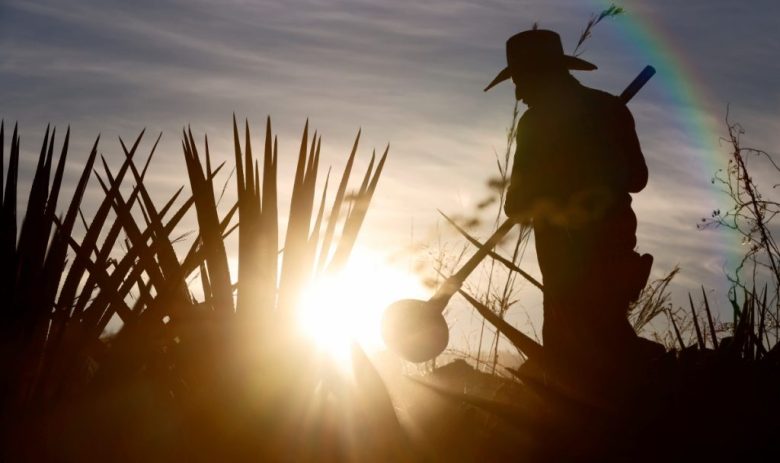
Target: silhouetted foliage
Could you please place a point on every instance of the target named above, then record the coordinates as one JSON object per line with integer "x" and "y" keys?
{"x": 222, "y": 375}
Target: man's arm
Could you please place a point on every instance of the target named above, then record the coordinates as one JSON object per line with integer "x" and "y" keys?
{"x": 517, "y": 201}
{"x": 635, "y": 167}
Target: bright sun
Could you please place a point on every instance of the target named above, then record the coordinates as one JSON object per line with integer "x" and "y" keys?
{"x": 337, "y": 309}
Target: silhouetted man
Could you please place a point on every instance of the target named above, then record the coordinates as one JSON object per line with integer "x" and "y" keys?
{"x": 577, "y": 160}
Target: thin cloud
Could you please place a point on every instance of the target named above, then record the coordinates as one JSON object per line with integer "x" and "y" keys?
{"x": 409, "y": 73}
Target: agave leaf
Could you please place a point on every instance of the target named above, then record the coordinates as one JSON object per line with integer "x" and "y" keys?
{"x": 249, "y": 186}
{"x": 8, "y": 258}
{"x": 98, "y": 314}
{"x": 256, "y": 196}
{"x": 507, "y": 263}
{"x": 107, "y": 283}
{"x": 82, "y": 257}
{"x": 762, "y": 322}
{"x": 164, "y": 248}
{"x": 739, "y": 323}
{"x": 145, "y": 296}
{"x": 239, "y": 167}
{"x": 742, "y": 329}
{"x": 32, "y": 310}
{"x": 129, "y": 258}
{"x": 709, "y": 319}
{"x": 315, "y": 234}
{"x": 272, "y": 205}
{"x": 699, "y": 337}
{"x": 132, "y": 231}
{"x": 161, "y": 241}
{"x": 101, "y": 255}
{"x": 62, "y": 359}
{"x": 312, "y": 168}
{"x": 523, "y": 343}
{"x": 367, "y": 175}
{"x": 77, "y": 269}
{"x": 144, "y": 212}
{"x": 310, "y": 248}
{"x": 134, "y": 335}
{"x": 86, "y": 226}
{"x": 32, "y": 244}
{"x": 51, "y": 203}
{"x": 38, "y": 193}
{"x": 507, "y": 412}
{"x": 750, "y": 326}
{"x": 197, "y": 251}
{"x": 189, "y": 263}
{"x": 208, "y": 221}
{"x": 24, "y": 315}
{"x": 136, "y": 240}
{"x": 247, "y": 238}
{"x": 270, "y": 226}
{"x": 268, "y": 232}
{"x": 55, "y": 259}
{"x": 204, "y": 279}
{"x": 374, "y": 398}
{"x": 335, "y": 210}
{"x": 2, "y": 160}
{"x": 355, "y": 217}
{"x": 162, "y": 303}
{"x": 8, "y": 220}
{"x": 291, "y": 279}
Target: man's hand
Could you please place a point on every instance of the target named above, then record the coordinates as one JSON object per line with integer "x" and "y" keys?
{"x": 517, "y": 213}
{"x": 523, "y": 220}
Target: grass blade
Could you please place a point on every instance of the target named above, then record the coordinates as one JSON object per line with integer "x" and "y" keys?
{"x": 699, "y": 337}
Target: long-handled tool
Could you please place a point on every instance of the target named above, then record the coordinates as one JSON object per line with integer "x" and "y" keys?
{"x": 416, "y": 329}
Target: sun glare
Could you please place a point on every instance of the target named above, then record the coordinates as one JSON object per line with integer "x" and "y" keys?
{"x": 338, "y": 309}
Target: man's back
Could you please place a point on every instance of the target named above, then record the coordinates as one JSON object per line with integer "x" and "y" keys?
{"x": 577, "y": 157}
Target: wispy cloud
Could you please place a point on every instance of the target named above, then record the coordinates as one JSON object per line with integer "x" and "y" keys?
{"x": 407, "y": 72}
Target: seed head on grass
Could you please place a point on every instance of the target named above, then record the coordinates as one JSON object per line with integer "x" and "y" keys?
{"x": 610, "y": 12}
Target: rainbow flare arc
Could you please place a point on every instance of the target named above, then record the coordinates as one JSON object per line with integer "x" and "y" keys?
{"x": 685, "y": 90}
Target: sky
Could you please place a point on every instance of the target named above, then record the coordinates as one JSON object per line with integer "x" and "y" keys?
{"x": 411, "y": 74}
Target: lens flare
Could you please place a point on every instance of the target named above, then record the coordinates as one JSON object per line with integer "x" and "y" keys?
{"x": 337, "y": 309}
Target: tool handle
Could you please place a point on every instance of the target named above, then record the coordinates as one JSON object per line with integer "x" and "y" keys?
{"x": 637, "y": 84}
{"x": 453, "y": 283}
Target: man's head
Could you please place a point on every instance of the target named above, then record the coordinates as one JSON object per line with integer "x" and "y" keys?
{"x": 535, "y": 58}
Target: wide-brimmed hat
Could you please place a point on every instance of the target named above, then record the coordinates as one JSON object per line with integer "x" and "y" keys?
{"x": 537, "y": 49}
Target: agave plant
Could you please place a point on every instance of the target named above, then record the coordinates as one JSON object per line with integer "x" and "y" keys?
{"x": 224, "y": 374}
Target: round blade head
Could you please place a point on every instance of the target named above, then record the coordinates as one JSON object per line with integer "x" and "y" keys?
{"x": 415, "y": 330}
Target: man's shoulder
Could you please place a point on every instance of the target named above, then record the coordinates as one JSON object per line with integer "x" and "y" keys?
{"x": 578, "y": 102}
{"x": 604, "y": 106}
{"x": 600, "y": 97}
